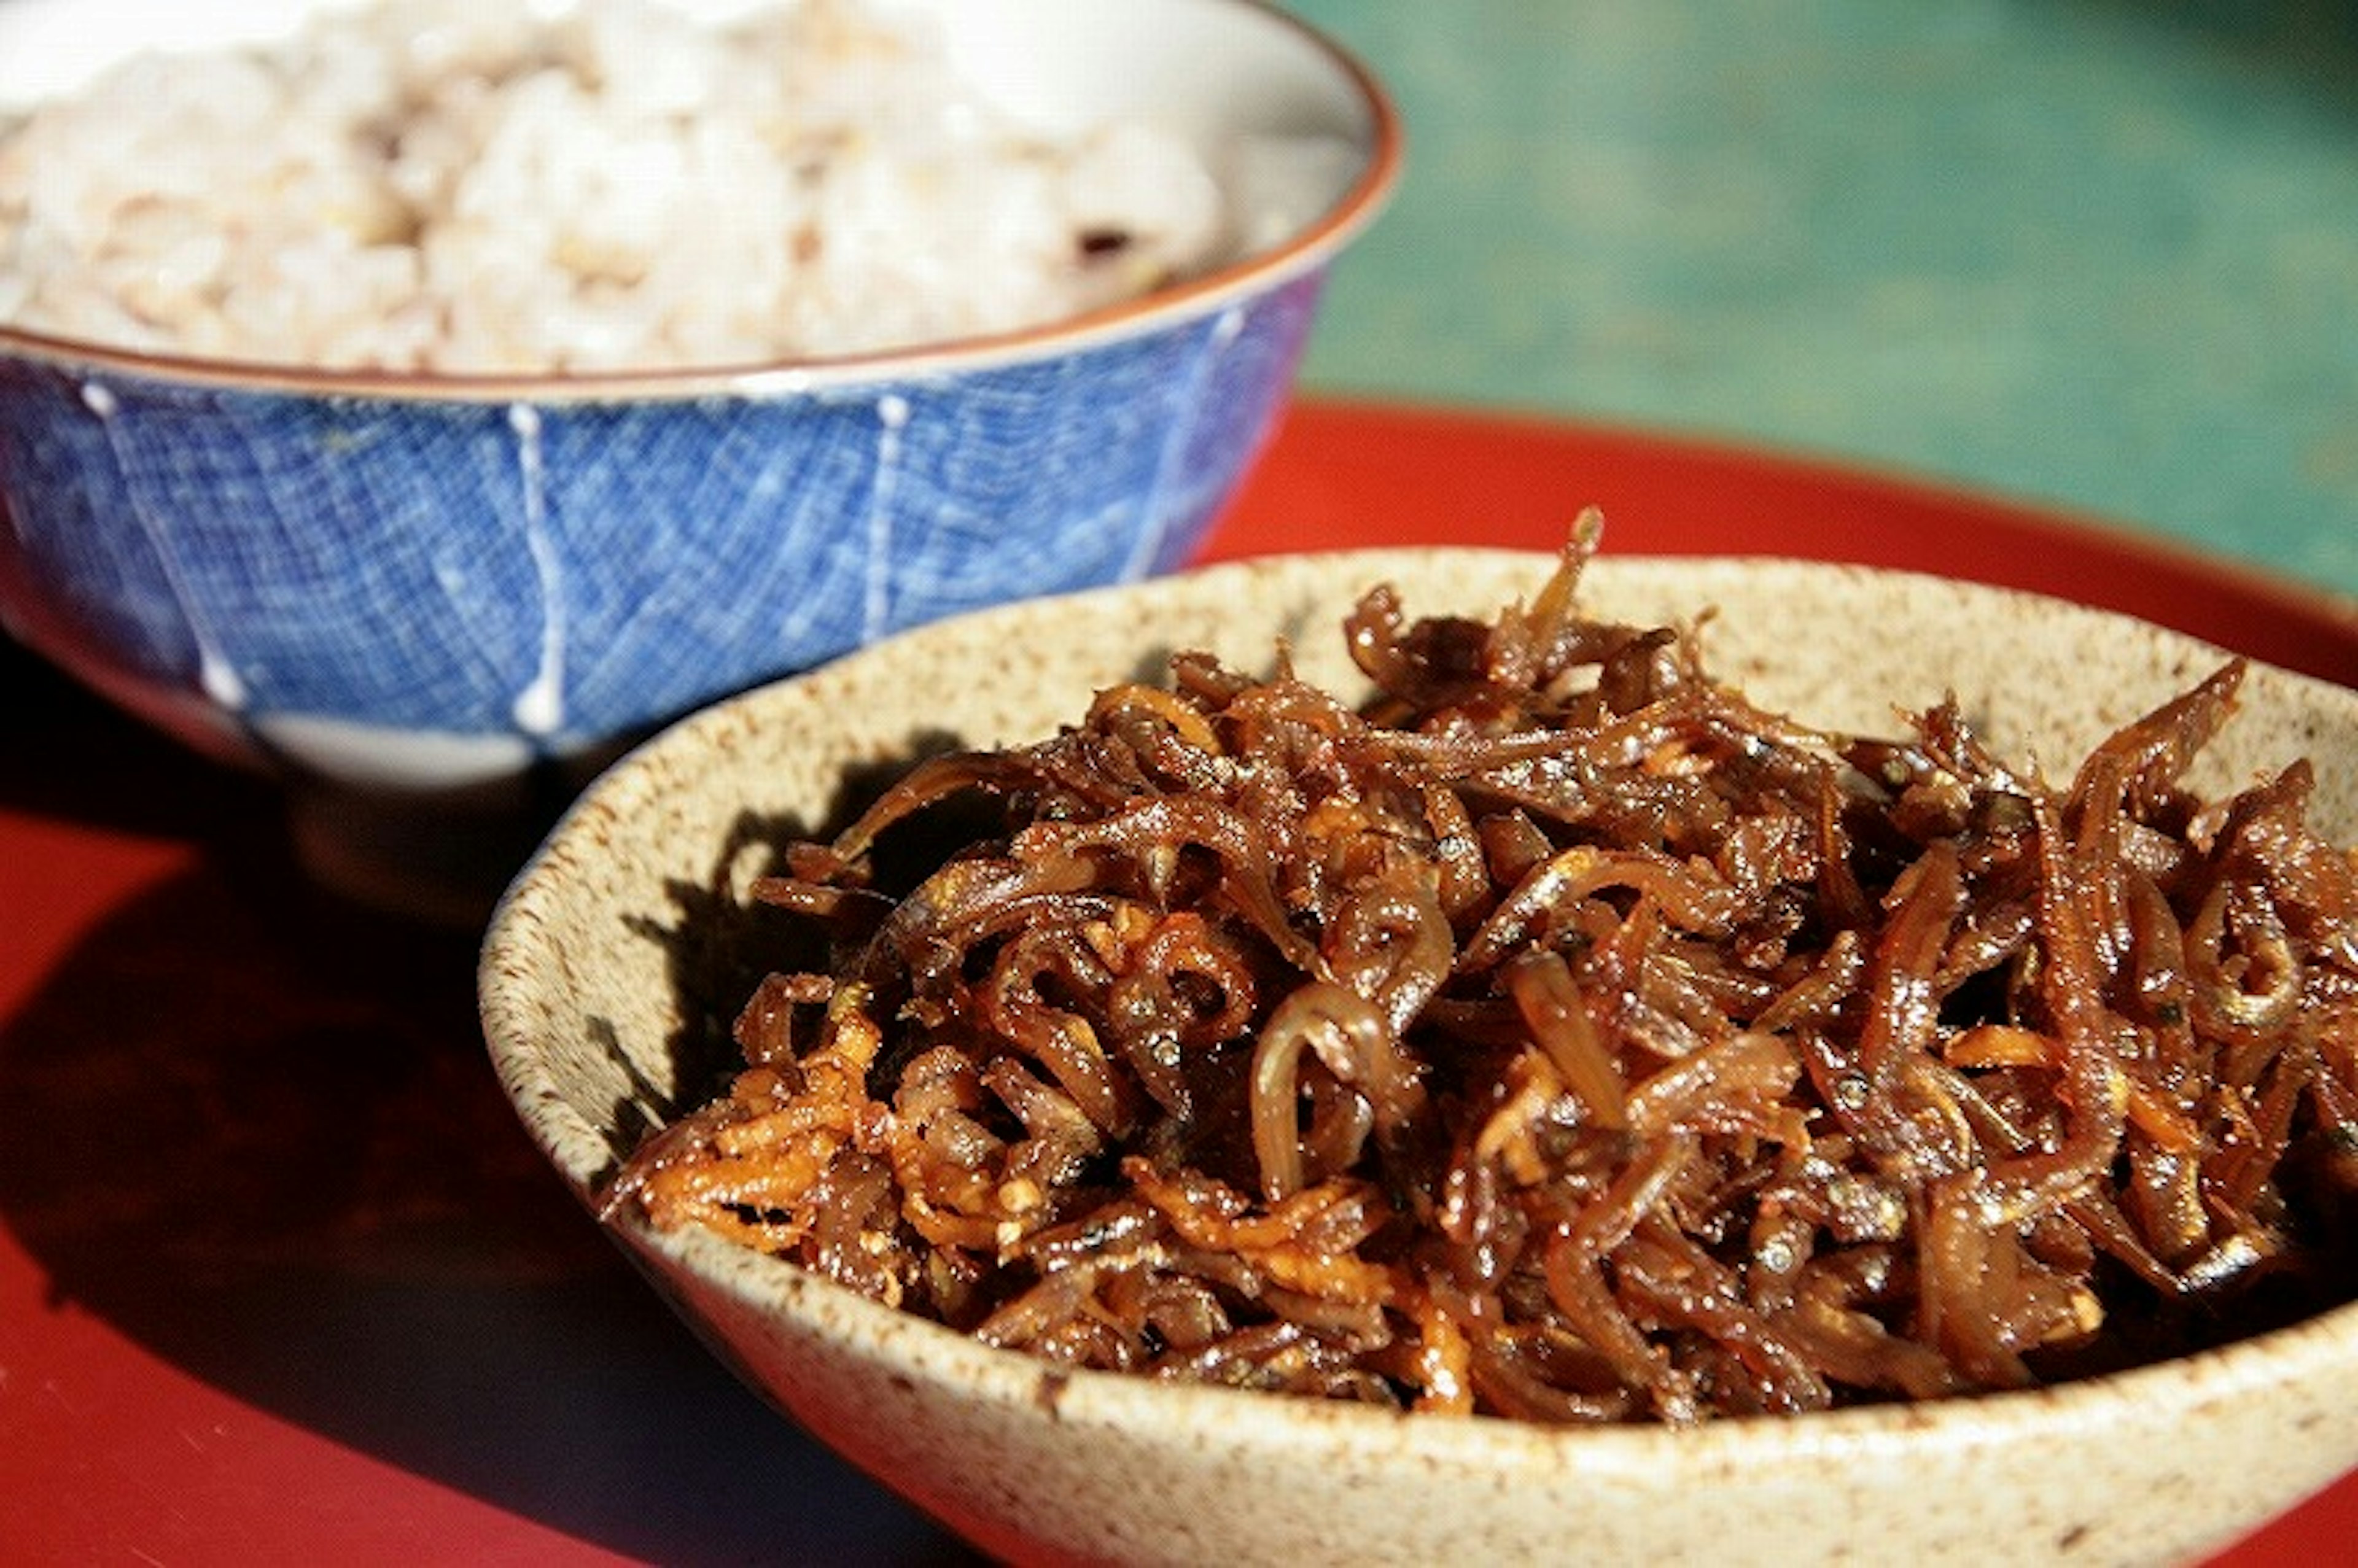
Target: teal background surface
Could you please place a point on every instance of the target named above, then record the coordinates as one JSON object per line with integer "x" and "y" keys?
{"x": 2093, "y": 253}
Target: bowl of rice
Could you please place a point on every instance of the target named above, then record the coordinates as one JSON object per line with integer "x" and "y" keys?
{"x": 1402, "y": 1056}
{"x": 421, "y": 400}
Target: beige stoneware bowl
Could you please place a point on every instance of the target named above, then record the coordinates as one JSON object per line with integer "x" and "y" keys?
{"x": 620, "y": 929}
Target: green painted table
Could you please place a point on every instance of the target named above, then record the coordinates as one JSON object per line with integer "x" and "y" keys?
{"x": 2094, "y": 253}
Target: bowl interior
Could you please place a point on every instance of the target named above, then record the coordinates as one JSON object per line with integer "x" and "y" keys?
{"x": 1300, "y": 135}
{"x": 620, "y": 934}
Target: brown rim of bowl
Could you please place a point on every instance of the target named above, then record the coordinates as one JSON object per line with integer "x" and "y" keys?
{"x": 1309, "y": 247}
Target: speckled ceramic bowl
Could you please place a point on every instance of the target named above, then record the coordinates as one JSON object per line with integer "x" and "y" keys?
{"x": 591, "y": 965}
{"x": 408, "y": 592}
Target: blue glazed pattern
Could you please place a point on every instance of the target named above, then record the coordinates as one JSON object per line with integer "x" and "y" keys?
{"x": 564, "y": 573}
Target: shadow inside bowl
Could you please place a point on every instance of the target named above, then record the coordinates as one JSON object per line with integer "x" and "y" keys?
{"x": 721, "y": 941}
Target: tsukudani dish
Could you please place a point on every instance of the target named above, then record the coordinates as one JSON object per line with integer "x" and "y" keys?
{"x": 634, "y": 936}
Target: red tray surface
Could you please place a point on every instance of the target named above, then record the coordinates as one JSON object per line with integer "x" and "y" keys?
{"x": 280, "y": 1279}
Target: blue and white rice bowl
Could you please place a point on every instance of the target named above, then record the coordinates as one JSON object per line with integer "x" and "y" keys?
{"x": 407, "y": 586}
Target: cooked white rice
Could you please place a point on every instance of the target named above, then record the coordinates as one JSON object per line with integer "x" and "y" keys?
{"x": 457, "y": 186}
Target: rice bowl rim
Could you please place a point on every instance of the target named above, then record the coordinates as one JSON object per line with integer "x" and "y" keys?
{"x": 1302, "y": 251}
{"x": 526, "y": 941}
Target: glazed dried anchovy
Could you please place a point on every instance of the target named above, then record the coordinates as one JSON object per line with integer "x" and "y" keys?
{"x": 1555, "y": 1035}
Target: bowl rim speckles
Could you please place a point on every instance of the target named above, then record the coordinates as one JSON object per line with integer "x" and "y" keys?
{"x": 1304, "y": 252}
{"x": 1034, "y": 1461}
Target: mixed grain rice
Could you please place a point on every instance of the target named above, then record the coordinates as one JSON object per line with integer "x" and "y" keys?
{"x": 463, "y": 187}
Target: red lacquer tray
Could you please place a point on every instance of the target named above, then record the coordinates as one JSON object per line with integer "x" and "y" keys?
{"x": 280, "y": 1279}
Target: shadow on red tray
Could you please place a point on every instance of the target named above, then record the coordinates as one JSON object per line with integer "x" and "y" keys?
{"x": 254, "y": 1132}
